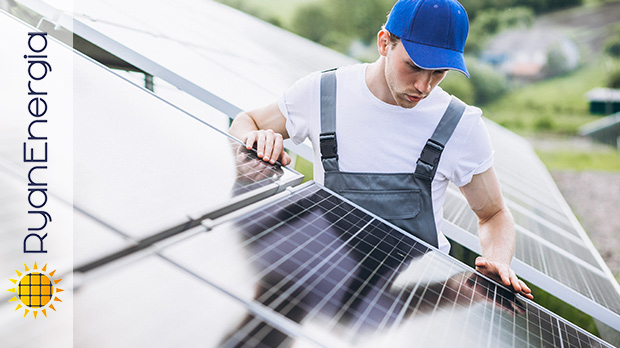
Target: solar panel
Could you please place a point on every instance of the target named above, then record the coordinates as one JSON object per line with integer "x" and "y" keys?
{"x": 86, "y": 247}
{"x": 143, "y": 169}
{"x": 143, "y": 166}
{"x": 136, "y": 169}
{"x": 154, "y": 305}
{"x": 543, "y": 220}
{"x": 549, "y": 240}
{"x": 258, "y": 65}
{"x": 309, "y": 266}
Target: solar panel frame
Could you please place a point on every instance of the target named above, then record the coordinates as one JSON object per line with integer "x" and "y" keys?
{"x": 186, "y": 254}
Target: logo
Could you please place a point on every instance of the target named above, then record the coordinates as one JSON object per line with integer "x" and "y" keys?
{"x": 36, "y": 290}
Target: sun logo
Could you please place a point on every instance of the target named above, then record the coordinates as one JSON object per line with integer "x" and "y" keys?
{"x": 35, "y": 290}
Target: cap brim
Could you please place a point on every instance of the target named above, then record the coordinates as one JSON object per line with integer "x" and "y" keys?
{"x": 435, "y": 58}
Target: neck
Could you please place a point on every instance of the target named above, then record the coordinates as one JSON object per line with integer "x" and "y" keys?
{"x": 376, "y": 82}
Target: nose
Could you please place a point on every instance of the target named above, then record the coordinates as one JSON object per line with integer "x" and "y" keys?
{"x": 423, "y": 81}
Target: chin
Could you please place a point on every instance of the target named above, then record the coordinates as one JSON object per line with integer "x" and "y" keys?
{"x": 407, "y": 104}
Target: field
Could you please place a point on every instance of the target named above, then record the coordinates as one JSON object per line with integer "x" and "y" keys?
{"x": 557, "y": 105}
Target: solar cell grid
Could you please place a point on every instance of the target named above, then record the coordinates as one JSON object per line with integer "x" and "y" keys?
{"x": 556, "y": 252}
{"x": 529, "y": 223}
{"x": 381, "y": 260}
{"x": 553, "y": 214}
{"x": 333, "y": 268}
{"x": 536, "y": 190}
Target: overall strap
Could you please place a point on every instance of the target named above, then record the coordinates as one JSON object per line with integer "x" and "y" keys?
{"x": 327, "y": 138}
{"x": 429, "y": 158}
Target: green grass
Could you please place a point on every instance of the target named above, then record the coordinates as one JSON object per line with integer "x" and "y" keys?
{"x": 602, "y": 160}
{"x": 304, "y": 167}
{"x": 596, "y": 2}
{"x": 556, "y": 105}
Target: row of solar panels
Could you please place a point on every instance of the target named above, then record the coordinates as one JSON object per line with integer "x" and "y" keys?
{"x": 168, "y": 146}
{"x": 302, "y": 267}
{"x": 261, "y": 61}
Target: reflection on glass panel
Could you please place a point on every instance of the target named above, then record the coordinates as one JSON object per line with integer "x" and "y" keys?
{"x": 347, "y": 276}
{"x": 142, "y": 166}
{"x": 546, "y": 247}
{"x": 151, "y": 303}
{"x": 92, "y": 240}
{"x": 239, "y": 58}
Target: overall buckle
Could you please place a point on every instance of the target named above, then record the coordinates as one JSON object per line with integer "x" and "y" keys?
{"x": 431, "y": 153}
{"x": 329, "y": 146}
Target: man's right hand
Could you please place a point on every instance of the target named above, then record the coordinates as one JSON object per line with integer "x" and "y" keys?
{"x": 269, "y": 146}
{"x": 265, "y": 130}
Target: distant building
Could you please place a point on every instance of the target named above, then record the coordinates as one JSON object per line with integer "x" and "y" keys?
{"x": 531, "y": 54}
{"x": 604, "y": 101}
{"x": 605, "y": 130}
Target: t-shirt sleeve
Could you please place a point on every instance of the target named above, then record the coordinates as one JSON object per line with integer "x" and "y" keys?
{"x": 297, "y": 105}
{"x": 476, "y": 153}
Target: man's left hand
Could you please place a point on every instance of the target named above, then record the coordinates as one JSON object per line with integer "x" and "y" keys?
{"x": 503, "y": 274}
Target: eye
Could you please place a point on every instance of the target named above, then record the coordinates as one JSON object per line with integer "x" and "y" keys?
{"x": 414, "y": 67}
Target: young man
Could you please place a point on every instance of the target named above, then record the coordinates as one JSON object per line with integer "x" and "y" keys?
{"x": 386, "y": 137}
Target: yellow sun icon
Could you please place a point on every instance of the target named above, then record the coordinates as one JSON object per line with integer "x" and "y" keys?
{"x": 36, "y": 290}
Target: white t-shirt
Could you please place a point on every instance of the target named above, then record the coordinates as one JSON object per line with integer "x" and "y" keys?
{"x": 377, "y": 137}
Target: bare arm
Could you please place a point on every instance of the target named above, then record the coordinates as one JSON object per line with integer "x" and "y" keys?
{"x": 495, "y": 230}
{"x": 265, "y": 127}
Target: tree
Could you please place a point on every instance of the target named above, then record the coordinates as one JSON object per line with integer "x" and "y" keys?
{"x": 557, "y": 62}
{"x": 312, "y": 22}
{"x": 488, "y": 83}
{"x": 612, "y": 46}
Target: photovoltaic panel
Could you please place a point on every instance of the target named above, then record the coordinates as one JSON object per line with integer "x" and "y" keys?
{"x": 537, "y": 329}
{"x": 143, "y": 166}
{"x": 549, "y": 240}
{"x": 223, "y": 57}
{"x": 346, "y": 276}
{"x": 110, "y": 20}
{"x": 257, "y": 65}
{"x": 156, "y": 305}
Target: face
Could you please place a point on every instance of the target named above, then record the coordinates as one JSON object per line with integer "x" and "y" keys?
{"x": 408, "y": 83}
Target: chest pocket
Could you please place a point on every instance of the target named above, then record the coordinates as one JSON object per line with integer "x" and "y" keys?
{"x": 389, "y": 204}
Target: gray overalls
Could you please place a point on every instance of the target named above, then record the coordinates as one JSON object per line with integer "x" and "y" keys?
{"x": 404, "y": 199}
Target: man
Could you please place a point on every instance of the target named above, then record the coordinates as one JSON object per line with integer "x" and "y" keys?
{"x": 379, "y": 131}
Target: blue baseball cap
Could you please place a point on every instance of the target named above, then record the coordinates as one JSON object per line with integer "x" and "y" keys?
{"x": 433, "y": 32}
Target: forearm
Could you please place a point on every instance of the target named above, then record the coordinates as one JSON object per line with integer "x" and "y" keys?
{"x": 497, "y": 236}
{"x": 242, "y": 125}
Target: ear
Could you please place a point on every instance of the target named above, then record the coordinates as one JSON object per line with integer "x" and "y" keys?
{"x": 383, "y": 42}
